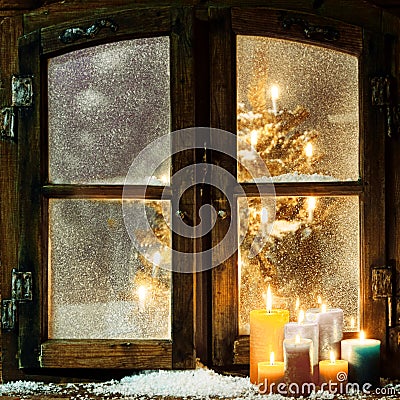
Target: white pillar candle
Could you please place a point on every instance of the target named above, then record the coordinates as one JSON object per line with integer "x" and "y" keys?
{"x": 330, "y": 324}
{"x": 306, "y": 330}
{"x": 363, "y": 356}
{"x": 298, "y": 354}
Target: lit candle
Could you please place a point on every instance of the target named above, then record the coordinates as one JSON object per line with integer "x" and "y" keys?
{"x": 307, "y": 330}
{"x": 254, "y": 138}
{"x": 270, "y": 374}
{"x": 334, "y": 371}
{"x": 298, "y": 353}
{"x": 274, "y": 97}
{"x": 363, "y": 356}
{"x": 330, "y": 325}
{"x": 308, "y": 150}
{"x": 142, "y": 293}
{"x": 311, "y": 204}
{"x": 266, "y": 334}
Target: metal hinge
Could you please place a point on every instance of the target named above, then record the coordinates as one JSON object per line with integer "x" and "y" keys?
{"x": 21, "y": 96}
{"x": 383, "y": 95}
{"x": 382, "y": 282}
{"x": 21, "y": 291}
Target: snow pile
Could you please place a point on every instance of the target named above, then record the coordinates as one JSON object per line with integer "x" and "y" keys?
{"x": 197, "y": 384}
{"x": 29, "y": 388}
{"x": 296, "y": 177}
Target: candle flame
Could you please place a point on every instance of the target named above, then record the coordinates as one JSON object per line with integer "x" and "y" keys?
{"x": 264, "y": 215}
{"x": 300, "y": 317}
{"x": 297, "y": 339}
{"x": 319, "y": 300}
{"x": 297, "y": 306}
{"x": 312, "y": 202}
{"x": 254, "y": 138}
{"x": 362, "y": 336}
{"x": 309, "y": 150}
{"x": 274, "y": 92}
{"x": 332, "y": 357}
{"x": 272, "y": 358}
{"x": 142, "y": 292}
{"x": 269, "y": 299}
{"x": 323, "y": 307}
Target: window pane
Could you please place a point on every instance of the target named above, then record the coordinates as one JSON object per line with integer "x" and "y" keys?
{"x": 298, "y": 106}
{"x": 312, "y": 251}
{"x": 100, "y": 287}
{"x": 106, "y": 103}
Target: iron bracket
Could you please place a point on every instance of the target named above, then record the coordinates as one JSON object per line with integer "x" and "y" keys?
{"x": 8, "y": 129}
{"x": 21, "y": 291}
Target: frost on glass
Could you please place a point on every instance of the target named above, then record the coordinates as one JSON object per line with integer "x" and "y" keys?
{"x": 312, "y": 255}
{"x": 297, "y": 104}
{"x": 105, "y": 104}
{"x": 100, "y": 287}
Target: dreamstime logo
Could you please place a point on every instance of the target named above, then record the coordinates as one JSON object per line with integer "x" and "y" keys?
{"x": 339, "y": 386}
{"x": 156, "y": 155}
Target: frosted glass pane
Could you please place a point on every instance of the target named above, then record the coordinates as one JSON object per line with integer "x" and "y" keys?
{"x": 100, "y": 287}
{"x": 312, "y": 251}
{"x": 298, "y": 106}
{"x": 105, "y": 104}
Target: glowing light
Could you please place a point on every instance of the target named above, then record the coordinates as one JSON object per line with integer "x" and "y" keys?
{"x": 269, "y": 299}
{"x": 264, "y": 215}
{"x": 297, "y": 339}
{"x": 309, "y": 150}
{"x": 332, "y": 357}
{"x": 254, "y": 138}
{"x": 297, "y": 305}
{"x": 323, "y": 308}
{"x": 319, "y": 300}
{"x": 142, "y": 294}
{"x": 274, "y": 97}
{"x": 300, "y": 317}
{"x": 274, "y": 92}
{"x": 272, "y": 358}
{"x": 362, "y": 336}
{"x": 311, "y": 203}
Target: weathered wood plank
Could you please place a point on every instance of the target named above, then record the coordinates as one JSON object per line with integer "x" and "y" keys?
{"x": 104, "y": 354}
{"x": 106, "y": 192}
{"x": 305, "y": 189}
{"x": 183, "y": 116}
{"x": 223, "y": 116}
{"x": 253, "y": 22}
{"x": 10, "y": 30}
{"x": 142, "y": 22}
{"x": 30, "y": 249}
{"x": 373, "y": 245}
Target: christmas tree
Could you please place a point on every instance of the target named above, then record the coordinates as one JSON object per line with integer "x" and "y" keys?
{"x": 287, "y": 150}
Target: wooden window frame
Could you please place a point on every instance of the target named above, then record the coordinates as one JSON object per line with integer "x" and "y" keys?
{"x": 35, "y": 349}
{"x": 228, "y": 348}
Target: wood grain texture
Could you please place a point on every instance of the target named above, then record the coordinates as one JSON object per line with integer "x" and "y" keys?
{"x": 254, "y": 22}
{"x": 183, "y": 116}
{"x": 106, "y": 192}
{"x": 373, "y": 213}
{"x": 304, "y": 189}
{"x": 140, "y": 23}
{"x": 10, "y": 30}
{"x": 30, "y": 241}
{"x": 223, "y": 116}
{"x": 104, "y": 354}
